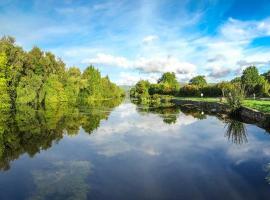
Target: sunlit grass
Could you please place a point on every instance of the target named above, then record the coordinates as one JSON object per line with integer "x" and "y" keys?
{"x": 260, "y": 105}
{"x": 206, "y": 99}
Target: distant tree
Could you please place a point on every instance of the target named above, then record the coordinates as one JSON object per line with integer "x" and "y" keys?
{"x": 168, "y": 83}
{"x": 199, "y": 81}
{"x": 262, "y": 88}
{"x": 142, "y": 87}
{"x": 236, "y": 80}
{"x": 250, "y": 78}
{"x": 37, "y": 78}
{"x": 189, "y": 91}
{"x": 168, "y": 77}
{"x": 225, "y": 87}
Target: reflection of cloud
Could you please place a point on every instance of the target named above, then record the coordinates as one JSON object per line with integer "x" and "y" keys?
{"x": 112, "y": 137}
{"x": 127, "y": 131}
{"x": 62, "y": 179}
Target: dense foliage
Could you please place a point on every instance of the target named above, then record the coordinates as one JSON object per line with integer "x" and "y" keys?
{"x": 38, "y": 79}
{"x": 267, "y": 76}
{"x": 199, "y": 81}
{"x": 145, "y": 91}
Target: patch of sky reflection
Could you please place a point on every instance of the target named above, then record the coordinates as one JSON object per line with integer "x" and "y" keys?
{"x": 135, "y": 154}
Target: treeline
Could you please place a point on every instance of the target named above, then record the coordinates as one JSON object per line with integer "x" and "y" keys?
{"x": 39, "y": 79}
{"x": 251, "y": 82}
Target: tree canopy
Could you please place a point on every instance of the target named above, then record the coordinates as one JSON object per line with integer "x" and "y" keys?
{"x": 267, "y": 76}
{"x": 200, "y": 81}
{"x": 39, "y": 78}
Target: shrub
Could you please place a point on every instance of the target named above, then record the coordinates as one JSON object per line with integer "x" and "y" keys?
{"x": 189, "y": 90}
{"x": 211, "y": 91}
{"x": 154, "y": 89}
{"x": 235, "y": 97}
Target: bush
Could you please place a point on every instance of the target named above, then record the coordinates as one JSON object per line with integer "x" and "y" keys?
{"x": 235, "y": 97}
{"x": 189, "y": 90}
{"x": 154, "y": 89}
{"x": 262, "y": 89}
{"x": 211, "y": 91}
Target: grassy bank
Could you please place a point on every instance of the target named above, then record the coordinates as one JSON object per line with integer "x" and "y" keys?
{"x": 260, "y": 105}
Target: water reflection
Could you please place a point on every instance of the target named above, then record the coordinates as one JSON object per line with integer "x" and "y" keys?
{"x": 135, "y": 154}
{"x": 30, "y": 131}
{"x": 168, "y": 113}
{"x": 236, "y": 131}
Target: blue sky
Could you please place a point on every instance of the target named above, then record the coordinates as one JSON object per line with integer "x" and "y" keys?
{"x": 131, "y": 40}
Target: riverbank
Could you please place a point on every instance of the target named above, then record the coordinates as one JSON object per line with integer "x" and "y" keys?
{"x": 259, "y": 105}
{"x": 211, "y": 105}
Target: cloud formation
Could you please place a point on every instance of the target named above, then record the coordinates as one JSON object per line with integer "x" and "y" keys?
{"x": 144, "y": 65}
{"x": 137, "y": 37}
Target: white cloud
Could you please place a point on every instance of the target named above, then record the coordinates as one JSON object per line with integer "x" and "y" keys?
{"x": 169, "y": 64}
{"x": 147, "y": 65}
{"x": 237, "y": 30}
{"x": 107, "y": 59}
{"x": 126, "y": 78}
{"x": 149, "y": 39}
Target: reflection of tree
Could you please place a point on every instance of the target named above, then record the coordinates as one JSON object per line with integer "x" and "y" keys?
{"x": 63, "y": 180}
{"x": 236, "y": 132}
{"x": 196, "y": 113}
{"x": 168, "y": 114}
{"x": 29, "y": 131}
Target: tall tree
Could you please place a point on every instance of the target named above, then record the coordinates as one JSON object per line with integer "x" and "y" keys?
{"x": 250, "y": 78}
{"x": 4, "y": 95}
{"x": 168, "y": 83}
{"x": 15, "y": 66}
{"x": 200, "y": 81}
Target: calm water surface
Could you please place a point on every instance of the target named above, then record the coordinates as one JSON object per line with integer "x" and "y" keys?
{"x": 131, "y": 152}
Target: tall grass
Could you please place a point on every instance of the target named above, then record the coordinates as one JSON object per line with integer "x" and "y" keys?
{"x": 235, "y": 97}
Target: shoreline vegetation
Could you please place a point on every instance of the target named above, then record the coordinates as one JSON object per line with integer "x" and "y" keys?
{"x": 41, "y": 80}
{"x": 246, "y": 96}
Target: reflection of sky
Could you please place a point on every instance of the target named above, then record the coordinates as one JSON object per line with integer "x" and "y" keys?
{"x": 138, "y": 156}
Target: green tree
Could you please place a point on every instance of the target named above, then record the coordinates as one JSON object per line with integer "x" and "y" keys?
{"x": 4, "y": 93}
{"x": 14, "y": 68}
{"x": 200, "y": 81}
{"x": 72, "y": 84}
{"x": 142, "y": 87}
{"x": 225, "y": 87}
{"x": 267, "y": 76}
{"x": 250, "y": 78}
{"x": 236, "y": 80}
{"x": 38, "y": 78}
{"x": 168, "y": 83}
